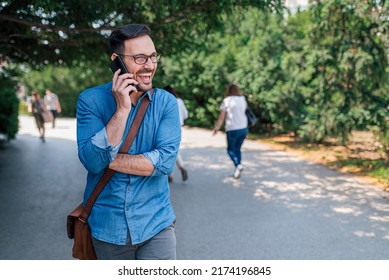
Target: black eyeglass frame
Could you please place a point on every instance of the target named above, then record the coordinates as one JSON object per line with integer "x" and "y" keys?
{"x": 155, "y": 55}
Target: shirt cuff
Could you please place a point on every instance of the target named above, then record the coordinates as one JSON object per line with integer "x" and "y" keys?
{"x": 100, "y": 140}
{"x": 153, "y": 157}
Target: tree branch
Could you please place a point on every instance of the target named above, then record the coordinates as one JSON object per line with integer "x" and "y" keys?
{"x": 53, "y": 28}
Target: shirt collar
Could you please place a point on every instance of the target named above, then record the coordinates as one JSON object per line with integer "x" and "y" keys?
{"x": 149, "y": 94}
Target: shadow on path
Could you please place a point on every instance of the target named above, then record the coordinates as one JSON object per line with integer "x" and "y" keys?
{"x": 40, "y": 183}
{"x": 282, "y": 207}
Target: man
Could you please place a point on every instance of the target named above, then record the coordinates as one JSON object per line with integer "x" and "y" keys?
{"x": 132, "y": 217}
{"x": 52, "y": 104}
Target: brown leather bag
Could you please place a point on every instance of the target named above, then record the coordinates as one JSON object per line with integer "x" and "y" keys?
{"x": 77, "y": 221}
{"x": 80, "y": 231}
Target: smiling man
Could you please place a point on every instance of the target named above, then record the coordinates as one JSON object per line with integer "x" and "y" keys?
{"x": 132, "y": 218}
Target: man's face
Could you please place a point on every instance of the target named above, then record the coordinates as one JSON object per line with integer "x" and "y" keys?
{"x": 144, "y": 73}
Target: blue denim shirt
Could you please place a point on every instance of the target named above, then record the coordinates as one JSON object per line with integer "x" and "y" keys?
{"x": 139, "y": 205}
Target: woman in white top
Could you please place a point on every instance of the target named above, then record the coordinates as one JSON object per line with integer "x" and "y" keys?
{"x": 233, "y": 112}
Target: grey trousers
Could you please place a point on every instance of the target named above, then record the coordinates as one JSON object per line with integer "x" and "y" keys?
{"x": 160, "y": 247}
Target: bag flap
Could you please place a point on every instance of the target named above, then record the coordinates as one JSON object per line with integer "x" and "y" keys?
{"x": 71, "y": 220}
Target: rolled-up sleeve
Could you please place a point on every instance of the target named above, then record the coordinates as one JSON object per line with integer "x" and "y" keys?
{"x": 100, "y": 140}
{"x": 154, "y": 158}
{"x": 167, "y": 140}
{"x": 94, "y": 150}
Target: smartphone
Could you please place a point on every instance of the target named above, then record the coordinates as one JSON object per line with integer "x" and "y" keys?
{"x": 118, "y": 63}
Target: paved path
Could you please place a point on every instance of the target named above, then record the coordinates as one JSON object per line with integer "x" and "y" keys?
{"x": 282, "y": 208}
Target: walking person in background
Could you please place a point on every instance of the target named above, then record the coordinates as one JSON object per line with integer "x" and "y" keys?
{"x": 183, "y": 111}
{"x": 36, "y": 107}
{"x": 52, "y": 104}
{"x": 233, "y": 112}
{"x": 132, "y": 218}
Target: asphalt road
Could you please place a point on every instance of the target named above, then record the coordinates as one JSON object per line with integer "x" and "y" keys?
{"x": 282, "y": 208}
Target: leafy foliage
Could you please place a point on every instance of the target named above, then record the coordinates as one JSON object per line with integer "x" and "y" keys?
{"x": 66, "y": 82}
{"x": 73, "y": 34}
{"x": 347, "y": 52}
{"x": 45, "y": 32}
{"x": 317, "y": 73}
{"x": 8, "y": 105}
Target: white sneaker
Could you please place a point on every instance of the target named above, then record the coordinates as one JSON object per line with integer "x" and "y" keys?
{"x": 238, "y": 171}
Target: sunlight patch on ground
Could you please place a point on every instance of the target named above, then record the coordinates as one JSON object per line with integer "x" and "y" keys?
{"x": 384, "y": 219}
{"x": 380, "y": 206}
{"x": 262, "y": 194}
{"x": 361, "y": 233}
{"x": 347, "y": 210}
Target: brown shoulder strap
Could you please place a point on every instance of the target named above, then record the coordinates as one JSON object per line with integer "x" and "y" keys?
{"x": 124, "y": 149}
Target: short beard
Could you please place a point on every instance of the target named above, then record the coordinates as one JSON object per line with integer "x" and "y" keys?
{"x": 144, "y": 88}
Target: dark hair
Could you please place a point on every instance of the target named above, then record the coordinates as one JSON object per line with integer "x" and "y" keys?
{"x": 233, "y": 90}
{"x": 126, "y": 32}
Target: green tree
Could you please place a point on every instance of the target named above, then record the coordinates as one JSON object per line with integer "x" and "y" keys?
{"x": 259, "y": 47}
{"x": 42, "y": 32}
{"x": 287, "y": 100}
{"x": 68, "y": 33}
{"x": 245, "y": 51}
{"x": 66, "y": 82}
{"x": 348, "y": 60}
{"x": 8, "y": 105}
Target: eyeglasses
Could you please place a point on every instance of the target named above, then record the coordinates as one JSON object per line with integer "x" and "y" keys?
{"x": 142, "y": 58}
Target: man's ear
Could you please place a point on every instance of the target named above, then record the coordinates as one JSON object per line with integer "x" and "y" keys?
{"x": 113, "y": 56}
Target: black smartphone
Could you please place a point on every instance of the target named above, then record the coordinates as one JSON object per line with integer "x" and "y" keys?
{"x": 118, "y": 63}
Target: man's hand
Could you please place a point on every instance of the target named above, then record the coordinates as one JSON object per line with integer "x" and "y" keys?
{"x": 122, "y": 87}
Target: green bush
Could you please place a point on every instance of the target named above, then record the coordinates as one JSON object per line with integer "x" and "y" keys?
{"x": 9, "y": 104}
